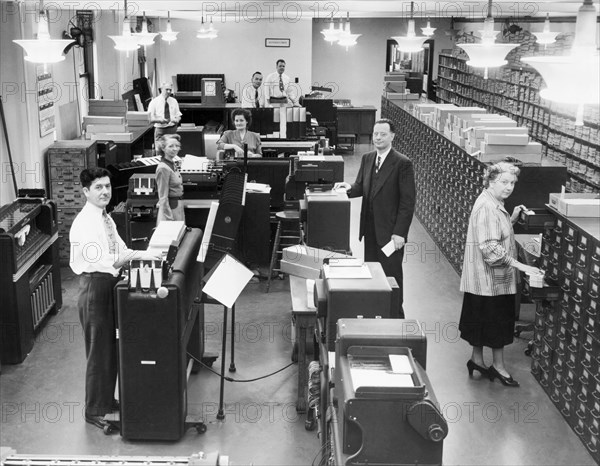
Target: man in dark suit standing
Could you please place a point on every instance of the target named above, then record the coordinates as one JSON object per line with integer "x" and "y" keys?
{"x": 386, "y": 183}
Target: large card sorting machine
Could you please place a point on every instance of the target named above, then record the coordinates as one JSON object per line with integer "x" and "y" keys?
{"x": 383, "y": 409}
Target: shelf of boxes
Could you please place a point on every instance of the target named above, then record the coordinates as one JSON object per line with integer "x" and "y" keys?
{"x": 514, "y": 91}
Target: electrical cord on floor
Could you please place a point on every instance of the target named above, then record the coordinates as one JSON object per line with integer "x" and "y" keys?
{"x": 230, "y": 379}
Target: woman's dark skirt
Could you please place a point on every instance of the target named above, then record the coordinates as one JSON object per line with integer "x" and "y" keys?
{"x": 488, "y": 320}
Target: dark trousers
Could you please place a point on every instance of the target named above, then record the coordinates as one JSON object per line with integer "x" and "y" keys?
{"x": 392, "y": 266}
{"x": 97, "y": 317}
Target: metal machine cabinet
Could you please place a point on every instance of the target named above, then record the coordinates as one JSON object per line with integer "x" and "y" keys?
{"x": 30, "y": 280}
{"x": 65, "y": 161}
{"x": 157, "y": 328}
{"x": 385, "y": 415}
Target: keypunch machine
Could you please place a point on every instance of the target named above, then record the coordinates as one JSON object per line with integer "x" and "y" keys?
{"x": 161, "y": 320}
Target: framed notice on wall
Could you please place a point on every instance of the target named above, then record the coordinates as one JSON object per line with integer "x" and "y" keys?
{"x": 277, "y": 42}
{"x": 45, "y": 101}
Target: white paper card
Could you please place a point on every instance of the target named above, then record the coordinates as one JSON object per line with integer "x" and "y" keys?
{"x": 400, "y": 364}
{"x": 212, "y": 214}
{"x": 389, "y": 248}
{"x": 227, "y": 281}
{"x": 379, "y": 378}
{"x": 346, "y": 272}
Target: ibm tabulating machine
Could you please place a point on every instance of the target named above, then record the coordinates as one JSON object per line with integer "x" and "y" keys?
{"x": 373, "y": 398}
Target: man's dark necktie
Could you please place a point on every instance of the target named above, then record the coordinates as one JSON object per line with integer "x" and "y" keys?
{"x": 167, "y": 112}
{"x": 281, "y": 88}
{"x": 256, "y": 101}
{"x": 378, "y": 164}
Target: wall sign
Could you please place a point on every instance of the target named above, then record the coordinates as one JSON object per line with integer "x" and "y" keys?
{"x": 275, "y": 42}
{"x": 45, "y": 101}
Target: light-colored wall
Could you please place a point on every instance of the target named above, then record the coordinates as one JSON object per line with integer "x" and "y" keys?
{"x": 357, "y": 74}
{"x": 238, "y": 52}
{"x": 18, "y": 87}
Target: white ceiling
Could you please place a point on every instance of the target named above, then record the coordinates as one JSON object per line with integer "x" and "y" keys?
{"x": 309, "y": 9}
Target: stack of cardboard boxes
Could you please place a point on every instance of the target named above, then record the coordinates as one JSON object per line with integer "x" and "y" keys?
{"x": 106, "y": 121}
{"x": 394, "y": 87}
{"x": 487, "y": 136}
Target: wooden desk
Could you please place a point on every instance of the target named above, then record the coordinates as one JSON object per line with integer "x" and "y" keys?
{"x": 305, "y": 315}
{"x": 356, "y": 120}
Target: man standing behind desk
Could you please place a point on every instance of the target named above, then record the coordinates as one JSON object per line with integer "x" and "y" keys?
{"x": 97, "y": 254}
{"x": 278, "y": 84}
{"x": 253, "y": 95}
{"x": 386, "y": 182}
{"x": 164, "y": 112}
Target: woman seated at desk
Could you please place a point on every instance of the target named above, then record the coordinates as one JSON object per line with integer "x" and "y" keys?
{"x": 169, "y": 183}
{"x": 235, "y": 139}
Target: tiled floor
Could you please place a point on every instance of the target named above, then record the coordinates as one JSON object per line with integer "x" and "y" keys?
{"x": 489, "y": 424}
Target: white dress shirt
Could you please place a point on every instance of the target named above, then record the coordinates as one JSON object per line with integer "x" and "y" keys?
{"x": 271, "y": 85}
{"x": 89, "y": 243}
{"x": 156, "y": 108}
{"x": 249, "y": 95}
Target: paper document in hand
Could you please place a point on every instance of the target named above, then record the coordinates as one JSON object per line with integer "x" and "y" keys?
{"x": 347, "y": 272}
{"x": 389, "y": 248}
{"x": 227, "y": 280}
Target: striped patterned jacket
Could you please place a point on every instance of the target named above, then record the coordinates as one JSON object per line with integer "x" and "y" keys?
{"x": 490, "y": 251}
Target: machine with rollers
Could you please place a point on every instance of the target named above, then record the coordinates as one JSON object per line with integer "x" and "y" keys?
{"x": 382, "y": 408}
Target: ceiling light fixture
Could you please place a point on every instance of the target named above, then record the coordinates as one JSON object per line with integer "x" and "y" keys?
{"x": 144, "y": 37}
{"x": 169, "y": 35}
{"x": 332, "y": 34}
{"x": 487, "y": 54}
{"x": 126, "y": 42}
{"x": 428, "y": 30}
{"x": 410, "y": 43}
{"x": 43, "y": 49}
{"x": 574, "y": 78}
{"x": 207, "y": 33}
{"x": 546, "y": 36}
{"x": 347, "y": 39}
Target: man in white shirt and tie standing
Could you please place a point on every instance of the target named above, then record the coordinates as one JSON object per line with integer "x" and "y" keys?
{"x": 386, "y": 182}
{"x": 279, "y": 85}
{"x": 164, "y": 112}
{"x": 97, "y": 254}
{"x": 253, "y": 95}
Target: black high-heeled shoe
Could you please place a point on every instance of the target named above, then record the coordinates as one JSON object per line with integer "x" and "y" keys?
{"x": 471, "y": 366}
{"x": 507, "y": 381}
